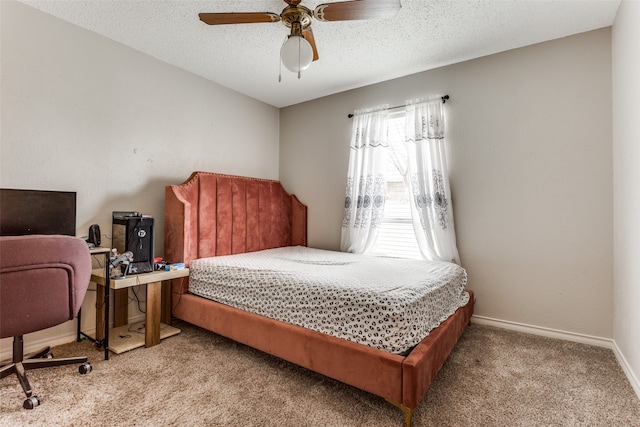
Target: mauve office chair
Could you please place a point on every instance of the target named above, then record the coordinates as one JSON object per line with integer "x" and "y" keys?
{"x": 43, "y": 280}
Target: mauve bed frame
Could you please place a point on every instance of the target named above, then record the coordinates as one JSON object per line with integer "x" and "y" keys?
{"x": 213, "y": 214}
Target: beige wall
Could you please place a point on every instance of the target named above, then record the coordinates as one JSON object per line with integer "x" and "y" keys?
{"x": 83, "y": 113}
{"x": 626, "y": 160}
{"x": 530, "y": 137}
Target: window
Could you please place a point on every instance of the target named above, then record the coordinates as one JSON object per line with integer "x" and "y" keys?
{"x": 396, "y": 237}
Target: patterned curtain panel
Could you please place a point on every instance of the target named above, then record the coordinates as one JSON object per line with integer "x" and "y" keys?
{"x": 366, "y": 182}
{"x": 431, "y": 210}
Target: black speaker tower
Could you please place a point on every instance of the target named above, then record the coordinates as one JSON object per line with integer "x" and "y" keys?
{"x": 134, "y": 232}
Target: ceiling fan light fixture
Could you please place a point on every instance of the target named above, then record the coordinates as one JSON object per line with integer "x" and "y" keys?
{"x": 296, "y": 54}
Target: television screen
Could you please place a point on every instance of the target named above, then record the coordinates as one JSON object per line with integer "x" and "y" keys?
{"x": 37, "y": 212}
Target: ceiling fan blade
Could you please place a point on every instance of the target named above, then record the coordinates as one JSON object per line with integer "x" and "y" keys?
{"x": 308, "y": 36}
{"x": 238, "y": 18}
{"x": 357, "y": 9}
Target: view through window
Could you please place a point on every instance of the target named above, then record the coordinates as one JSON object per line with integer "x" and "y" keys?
{"x": 396, "y": 237}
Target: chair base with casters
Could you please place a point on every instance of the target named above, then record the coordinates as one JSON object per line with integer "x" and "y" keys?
{"x": 39, "y": 359}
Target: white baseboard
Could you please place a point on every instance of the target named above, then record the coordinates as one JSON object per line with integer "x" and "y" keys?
{"x": 545, "y": 332}
{"x": 31, "y": 345}
{"x": 633, "y": 379}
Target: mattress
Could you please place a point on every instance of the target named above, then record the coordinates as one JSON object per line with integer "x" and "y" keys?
{"x": 387, "y": 303}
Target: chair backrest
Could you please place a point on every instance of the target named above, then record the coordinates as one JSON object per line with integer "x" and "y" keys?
{"x": 43, "y": 281}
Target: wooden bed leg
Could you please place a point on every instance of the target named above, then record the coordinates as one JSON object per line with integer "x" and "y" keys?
{"x": 408, "y": 413}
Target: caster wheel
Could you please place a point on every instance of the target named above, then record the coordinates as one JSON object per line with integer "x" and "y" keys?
{"x": 31, "y": 402}
{"x": 48, "y": 356}
{"x": 85, "y": 368}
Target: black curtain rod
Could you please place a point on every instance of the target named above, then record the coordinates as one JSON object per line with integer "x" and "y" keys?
{"x": 444, "y": 100}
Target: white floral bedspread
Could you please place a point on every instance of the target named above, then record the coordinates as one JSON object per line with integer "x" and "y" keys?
{"x": 386, "y": 303}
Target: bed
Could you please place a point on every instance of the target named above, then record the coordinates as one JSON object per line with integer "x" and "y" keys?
{"x": 213, "y": 216}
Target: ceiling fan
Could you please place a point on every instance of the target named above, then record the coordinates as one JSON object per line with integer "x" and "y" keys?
{"x": 299, "y": 50}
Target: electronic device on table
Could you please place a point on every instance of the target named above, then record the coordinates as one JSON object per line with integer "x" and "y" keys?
{"x": 133, "y": 232}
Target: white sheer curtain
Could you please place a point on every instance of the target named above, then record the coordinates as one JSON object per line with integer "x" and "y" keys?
{"x": 366, "y": 182}
{"x": 431, "y": 209}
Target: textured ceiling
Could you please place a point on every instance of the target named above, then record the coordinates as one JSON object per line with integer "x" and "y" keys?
{"x": 425, "y": 34}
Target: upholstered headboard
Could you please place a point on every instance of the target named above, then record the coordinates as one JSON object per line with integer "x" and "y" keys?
{"x": 212, "y": 214}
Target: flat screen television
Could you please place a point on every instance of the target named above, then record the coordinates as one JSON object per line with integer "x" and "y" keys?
{"x": 37, "y": 212}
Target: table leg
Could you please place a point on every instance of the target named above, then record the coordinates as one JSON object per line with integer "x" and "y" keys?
{"x": 165, "y": 316}
{"x": 154, "y": 298}
{"x": 121, "y": 307}
{"x": 107, "y": 291}
{"x": 100, "y": 309}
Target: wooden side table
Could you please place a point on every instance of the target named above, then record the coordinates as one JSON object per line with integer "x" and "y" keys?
{"x": 122, "y": 337}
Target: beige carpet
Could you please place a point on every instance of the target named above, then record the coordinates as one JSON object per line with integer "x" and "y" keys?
{"x": 494, "y": 377}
